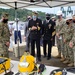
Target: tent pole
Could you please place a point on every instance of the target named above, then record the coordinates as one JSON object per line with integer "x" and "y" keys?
{"x": 17, "y": 28}
{"x": 47, "y": 4}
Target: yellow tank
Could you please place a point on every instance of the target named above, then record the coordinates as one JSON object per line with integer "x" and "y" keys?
{"x": 6, "y": 64}
{"x": 29, "y": 60}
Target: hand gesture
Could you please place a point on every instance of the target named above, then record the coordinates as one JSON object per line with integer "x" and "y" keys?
{"x": 7, "y": 44}
{"x": 34, "y": 28}
{"x": 71, "y": 44}
{"x": 57, "y": 34}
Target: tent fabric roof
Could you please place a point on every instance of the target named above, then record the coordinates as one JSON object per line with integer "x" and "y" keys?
{"x": 37, "y": 3}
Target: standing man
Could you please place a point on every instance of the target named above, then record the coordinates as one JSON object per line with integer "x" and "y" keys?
{"x": 35, "y": 27}
{"x": 72, "y": 44}
{"x": 27, "y": 34}
{"x": 68, "y": 36}
{"x": 67, "y": 32}
{"x": 54, "y": 32}
{"x": 59, "y": 25}
{"x": 4, "y": 36}
{"x": 17, "y": 31}
{"x": 47, "y": 30}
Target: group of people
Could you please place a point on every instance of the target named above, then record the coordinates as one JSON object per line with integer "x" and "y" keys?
{"x": 37, "y": 29}
{"x": 65, "y": 34}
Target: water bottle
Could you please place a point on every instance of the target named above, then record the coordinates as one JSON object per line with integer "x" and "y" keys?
{"x": 64, "y": 72}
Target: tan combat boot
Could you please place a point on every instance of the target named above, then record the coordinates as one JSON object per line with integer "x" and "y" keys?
{"x": 71, "y": 65}
{"x": 58, "y": 56}
{"x": 66, "y": 62}
{"x": 62, "y": 59}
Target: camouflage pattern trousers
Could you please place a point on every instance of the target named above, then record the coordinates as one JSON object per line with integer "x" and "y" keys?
{"x": 60, "y": 46}
{"x": 3, "y": 50}
{"x": 69, "y": 55}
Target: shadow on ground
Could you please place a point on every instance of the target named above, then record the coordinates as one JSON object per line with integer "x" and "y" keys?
{"x": 52, "y": 62}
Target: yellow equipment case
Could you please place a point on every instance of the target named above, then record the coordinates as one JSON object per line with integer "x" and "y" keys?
{"x": 4, "y": 64}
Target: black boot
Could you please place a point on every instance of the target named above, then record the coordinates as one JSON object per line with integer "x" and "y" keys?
{"x": 49, "y": 57}
{"x": 44, "y": 56}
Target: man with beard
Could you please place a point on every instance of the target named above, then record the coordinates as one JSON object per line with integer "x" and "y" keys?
{"x": 4, "y": 36}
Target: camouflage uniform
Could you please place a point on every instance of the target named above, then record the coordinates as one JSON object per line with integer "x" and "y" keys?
{"x": 5, "y": 37}
{"x": 63, "y": 32}
{"x": 68, "y": 36}
{"x": 73, "y": 41}
{"x": 73, "y": 24}
{"x": 73, "y": 55}
{"x": 60, "y": 45}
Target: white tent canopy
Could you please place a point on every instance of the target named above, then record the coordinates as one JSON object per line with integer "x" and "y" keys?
{"x": 36, "y": 4}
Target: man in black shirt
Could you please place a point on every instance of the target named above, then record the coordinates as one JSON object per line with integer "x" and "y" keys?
{"x": 35, "y": 27}
{"x": 47, "y": 30}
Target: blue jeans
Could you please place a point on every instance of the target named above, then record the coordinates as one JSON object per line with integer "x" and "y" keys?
{"x": 17, "y": 34}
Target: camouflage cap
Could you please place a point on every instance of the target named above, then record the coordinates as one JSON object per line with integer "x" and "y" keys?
{"x": 5, "y": 15}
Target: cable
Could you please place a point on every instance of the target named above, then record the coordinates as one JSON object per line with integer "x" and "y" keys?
{"x": 12, "y": 65}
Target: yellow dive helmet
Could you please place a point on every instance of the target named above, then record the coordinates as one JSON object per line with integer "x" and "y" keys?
{"x": 27, "y": 63}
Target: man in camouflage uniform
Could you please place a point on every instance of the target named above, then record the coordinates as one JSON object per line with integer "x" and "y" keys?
{"x": 59, "y": 25}
{"x": 4, "y": 36}
{"x": 68, "y": 34}
{"x": 72, "y": 44}
{"x": 63, "y": 32}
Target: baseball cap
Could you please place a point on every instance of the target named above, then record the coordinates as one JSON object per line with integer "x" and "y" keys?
{"x": 59, "y": 13}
